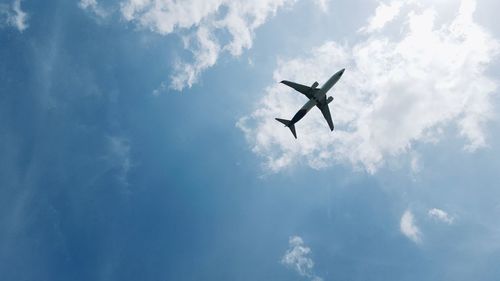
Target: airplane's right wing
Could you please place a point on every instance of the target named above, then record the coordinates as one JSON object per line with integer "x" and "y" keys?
{"x": 325, "y": 110}
{"x": 306, "y": 90}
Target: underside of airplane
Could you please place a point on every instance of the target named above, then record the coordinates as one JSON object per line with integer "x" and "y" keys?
{"x": 317, "y": 97}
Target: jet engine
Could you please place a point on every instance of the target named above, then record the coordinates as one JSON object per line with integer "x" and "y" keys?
{"x": 329, "y": 100}
{"x": 314, "y": 85}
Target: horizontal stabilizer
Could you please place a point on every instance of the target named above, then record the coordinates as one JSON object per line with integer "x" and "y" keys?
{"x": 288, "y": 124}
{"x": 284, "y": 121}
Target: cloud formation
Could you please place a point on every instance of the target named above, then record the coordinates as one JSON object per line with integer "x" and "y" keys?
{"x": 13, "y": 16}
{"x": 409, "y": 228}
{"x": 440, "y": 215}
{"x": 202, "y": 24}
{"x": 93, "y": 6}
{"x": 297, "y": 258}
{"x": 398, "y": 89}
{"x": 383, "y": 15}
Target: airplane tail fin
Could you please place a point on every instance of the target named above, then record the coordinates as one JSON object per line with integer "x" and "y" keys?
{"x": 288, "y": 124}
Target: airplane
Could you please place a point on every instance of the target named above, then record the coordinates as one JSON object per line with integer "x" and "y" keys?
{"x": 317, "y": 97}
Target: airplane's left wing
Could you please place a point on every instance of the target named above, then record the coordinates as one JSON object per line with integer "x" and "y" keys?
{"x": 306, "y": 90}
{"x": 325, "y": 110}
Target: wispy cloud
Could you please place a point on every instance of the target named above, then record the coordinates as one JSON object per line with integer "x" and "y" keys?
{"x": 208, "y": 28}
{"x": 92, "y": 6}
{"x": 440, "y": 215}
{"x": 384, "y": 14}
{"x": 297, "y": 258}
{"x": 12, "y": 15}
{"x": 323, "y": 5}
{"x": 409, "y": 228}
{"x": 119, "y": 156}
{"x": 86, "y": 4}
{"x": 199, "y": 22}
{"x": 398, "y": 89}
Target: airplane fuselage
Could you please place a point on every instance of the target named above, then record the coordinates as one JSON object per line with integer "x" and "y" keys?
{"x": 318, "y": 96}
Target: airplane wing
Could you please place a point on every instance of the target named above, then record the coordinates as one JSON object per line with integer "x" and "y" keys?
{"x": 306, "y": 90}
{"x": 325, "y": 110}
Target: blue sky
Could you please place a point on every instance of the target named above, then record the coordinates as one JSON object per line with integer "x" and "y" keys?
{"x": 138, "y": 140}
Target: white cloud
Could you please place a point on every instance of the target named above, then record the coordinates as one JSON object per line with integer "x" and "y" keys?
{"x": 19, "y": 19}
{"x": 85, "y": 4}
{"x": 92, "y": 6}
{"x": 398, "y": 89}
{"x": 322, "y": 4}
{"x": 297, "y": 257}
{"x": 440, "y": 215}
{"x": 415, "y": 164}
{"x": 408, "y": 227}
{"x": 383, "y": 15}
{"x": 14, "y": 16}
{"x": 206, "y": 56}
{"x": 200, "y": 21}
